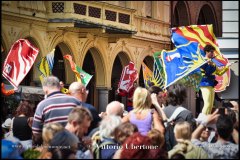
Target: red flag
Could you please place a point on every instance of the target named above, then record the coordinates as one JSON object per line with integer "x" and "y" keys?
{"x": 19, "y": 61}
{"x": 128, "y": 77}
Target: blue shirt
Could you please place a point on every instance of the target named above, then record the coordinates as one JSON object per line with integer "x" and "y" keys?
{"x": 208, "y": 76}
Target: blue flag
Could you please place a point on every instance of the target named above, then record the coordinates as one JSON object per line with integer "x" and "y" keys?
{"x": 181, "y": 62}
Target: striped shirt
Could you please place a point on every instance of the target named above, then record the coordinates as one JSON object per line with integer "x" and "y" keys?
{"x": 54, "y": 109}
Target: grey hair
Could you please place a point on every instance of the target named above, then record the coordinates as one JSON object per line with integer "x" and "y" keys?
{"x": 75, "y": 86}
{"x": 51, "y": 82}
{"x": 115, "y": 108}
{"x": 108, "y": 125}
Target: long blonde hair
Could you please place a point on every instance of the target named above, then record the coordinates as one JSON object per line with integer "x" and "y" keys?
{"x": 141, "y": 99}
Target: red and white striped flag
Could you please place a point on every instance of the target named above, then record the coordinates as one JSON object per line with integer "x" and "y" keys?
{"x": 19, "y": 61}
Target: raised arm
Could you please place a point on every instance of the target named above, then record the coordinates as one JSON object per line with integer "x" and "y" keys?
{"x": 157, "y": 122}
{"x": 158, "y": 107}
{"x": 211, "y": 119}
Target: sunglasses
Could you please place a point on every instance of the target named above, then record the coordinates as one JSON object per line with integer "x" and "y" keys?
{"x": 209, "y": 129}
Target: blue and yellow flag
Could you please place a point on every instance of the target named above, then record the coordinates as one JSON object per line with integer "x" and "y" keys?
{"x": 203, "y": 34}
{"x": 181, "y": 62}
{"x": 45, "y": 66}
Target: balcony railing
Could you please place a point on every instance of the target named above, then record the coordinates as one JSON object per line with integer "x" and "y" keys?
{"x": 97, "y": 13}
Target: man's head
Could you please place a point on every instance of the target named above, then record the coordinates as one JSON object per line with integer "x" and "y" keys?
{"x": 79, "y": 121}
{"x": 176, "y": 94}
{"x": 209, "y": 50}
{"x": 115, "y": 108}
{"x": 50, "y": 84}
{"x": 224, "y": 127}
{"x": 78, "y": 90}
{"x": 161, "y": 95}
{"x": 206, "y": 133}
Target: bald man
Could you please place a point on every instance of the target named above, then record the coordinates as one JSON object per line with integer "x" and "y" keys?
{"x": 79, "y": 91}
{"x": 115, "y": 108}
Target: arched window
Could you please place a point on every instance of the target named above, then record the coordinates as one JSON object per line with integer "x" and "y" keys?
{"x": 206, "y": 16}
{"x": 181, "y": 16}
{"x": 58, "y": 67}
{"x": 89, "y": 67}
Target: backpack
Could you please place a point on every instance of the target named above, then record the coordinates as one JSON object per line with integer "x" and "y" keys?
{"x": 97, "y": 145}
{"x": 170, "y": 140}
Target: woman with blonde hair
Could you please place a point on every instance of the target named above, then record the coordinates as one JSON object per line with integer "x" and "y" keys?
{"x": 182, "y": 132}
{"x": 49, "y": 130}
{"x": 142, "y": 115}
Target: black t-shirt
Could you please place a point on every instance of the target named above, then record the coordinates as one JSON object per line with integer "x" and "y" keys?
{"x": 21, "y": 129}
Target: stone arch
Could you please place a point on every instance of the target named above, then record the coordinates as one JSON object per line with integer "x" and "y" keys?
{"x": 145, "y": 53}
{"x": 36, "y": 37}
{"x": 181, "y": 14}
{"x": 97, "y": 85}
{"x": 124, "y": 58}
{"x": 121, "y": 47}
{"x": 118, "y": 63}
{"x": 65, "y": 49}
{"x": 207, "y": 15}
{"x": 99, "y": 62}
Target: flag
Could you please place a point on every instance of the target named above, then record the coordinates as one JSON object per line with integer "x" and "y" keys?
{"x": 192, "y": 80}
{"x": 203, "y": 34}
{"x": 81, "y": 75}
{"x": 19, "y": 61}
{"x": 46, "y": 65}
{"x": 128, "y": 77}
{"x": 158, "y": 72}
{"x": 181, "y": 62}
{"x": 147, "y": 76}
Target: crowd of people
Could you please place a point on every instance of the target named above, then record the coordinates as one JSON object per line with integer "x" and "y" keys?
{"x": 64, "y": 126}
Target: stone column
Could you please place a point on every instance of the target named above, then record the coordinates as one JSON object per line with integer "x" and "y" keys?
{"x": 102, "y": 99}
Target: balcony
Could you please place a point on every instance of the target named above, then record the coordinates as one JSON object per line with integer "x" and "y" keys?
{"x": 91, "y": 14}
